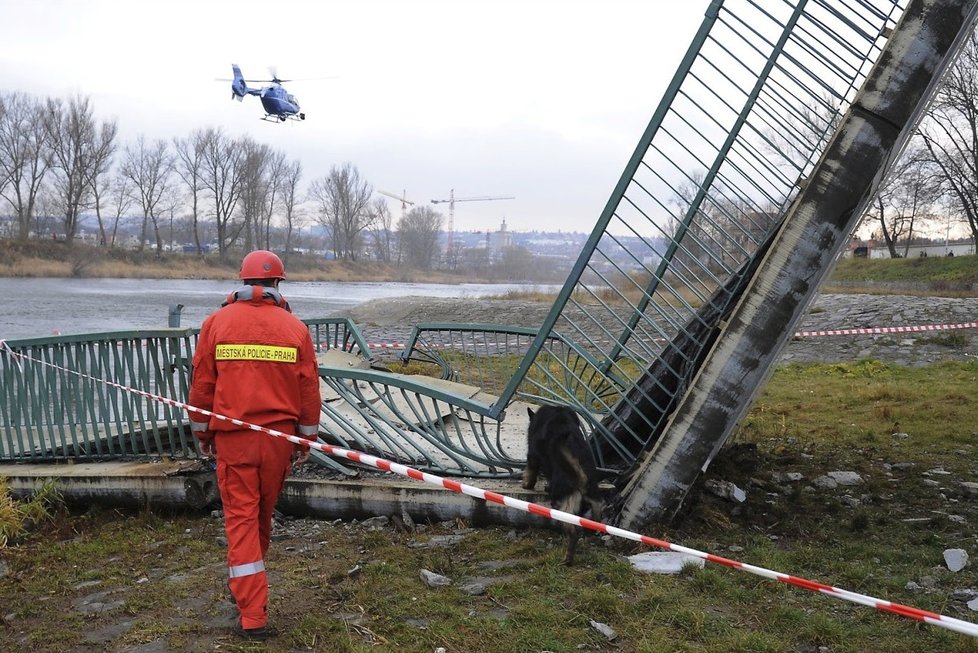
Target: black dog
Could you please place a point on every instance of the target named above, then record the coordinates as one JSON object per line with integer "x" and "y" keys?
{"x": 556, "y": 449}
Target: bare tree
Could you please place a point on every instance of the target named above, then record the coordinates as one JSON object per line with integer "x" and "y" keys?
{"x": 277, "y": 166}
{"x": 24, "y": 156}
{"x": 418, "y": 234}
{"x": 291, "y": 173}
{"x": 950, "y": 133}
{"x": 382, "y": 233}
{"x": 344, "y": 200}
{"x": 119, "y": 191}
{"x": 80, "y": 148}
{"x": 221, "y": 177}
{"x": 259, "y": 185}
{"x": 905, "y": 198}
{"x": 111, "y": 199}
{"x": 150, "y": 168}
{"x": 100, "y": 181}
{"x": 188, "y": 164}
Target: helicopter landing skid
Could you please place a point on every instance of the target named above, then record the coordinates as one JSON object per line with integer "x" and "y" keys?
{"x": 271, "y": 117}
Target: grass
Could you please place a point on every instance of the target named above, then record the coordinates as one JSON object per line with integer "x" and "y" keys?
{"x": 345, "y": 587}
{"x": 17, "y": 517}
{"x": 940, "y": 274}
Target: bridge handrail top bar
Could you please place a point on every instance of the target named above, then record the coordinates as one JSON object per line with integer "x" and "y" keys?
{"x": 476, "y": 326}
{"x": 97, "y": 336}
{"x": 409, "y": 383}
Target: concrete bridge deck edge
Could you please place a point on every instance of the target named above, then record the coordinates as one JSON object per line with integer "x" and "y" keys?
{"x": 181, "y": 485}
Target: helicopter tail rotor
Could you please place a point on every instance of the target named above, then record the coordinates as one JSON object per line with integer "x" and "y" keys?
{"x": 239, "y": 87}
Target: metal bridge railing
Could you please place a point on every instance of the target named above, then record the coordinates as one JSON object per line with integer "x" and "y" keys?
{"x": 54, "y": 406}
{"x": 48, "y": 412}
{"x": 741, "y": 126}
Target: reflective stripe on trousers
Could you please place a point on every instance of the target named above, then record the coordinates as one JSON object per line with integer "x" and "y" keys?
{"x": 246, "y": 570}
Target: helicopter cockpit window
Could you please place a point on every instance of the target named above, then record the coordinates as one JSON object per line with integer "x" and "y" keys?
{"x": 293, "y": 99}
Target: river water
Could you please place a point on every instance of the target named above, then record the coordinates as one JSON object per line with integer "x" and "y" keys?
{"x": 44, "y": 307}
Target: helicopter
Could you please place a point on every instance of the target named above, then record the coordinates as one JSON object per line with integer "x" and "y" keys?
{"x": 279, "y": 104}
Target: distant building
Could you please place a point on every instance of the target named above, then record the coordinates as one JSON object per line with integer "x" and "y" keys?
{"x": 499, "y": 241}
{"x": 875, "y": 249}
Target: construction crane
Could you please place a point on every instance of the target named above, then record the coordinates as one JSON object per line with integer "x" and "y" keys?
{"x": 451, "y": 211}
{"x": 403, "y": 199}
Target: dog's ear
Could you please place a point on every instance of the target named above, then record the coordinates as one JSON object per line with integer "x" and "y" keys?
{"x": 529, "y": 411}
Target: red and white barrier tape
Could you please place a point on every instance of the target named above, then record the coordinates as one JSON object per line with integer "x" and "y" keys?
{"x": 933, "y": 618}
{"x": 878, "y": 330}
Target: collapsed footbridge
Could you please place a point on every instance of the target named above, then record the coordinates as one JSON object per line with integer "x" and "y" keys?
{"x": 770, "y": 141}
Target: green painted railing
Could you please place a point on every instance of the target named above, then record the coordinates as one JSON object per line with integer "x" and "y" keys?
{"x": 55, "y": 404}
{"x": 68, "y": 398}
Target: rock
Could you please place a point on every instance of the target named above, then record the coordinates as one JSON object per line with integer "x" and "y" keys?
{"x": 726, "y": 490}
{"x": 442, "y": 541}
{"x": 87, "y": 583}
{"x": 664, "y": 562}
{"x": 969, "y": 489}
{"x": 475, "y": 586}
{"x": 787, "y": 477}
{"x": 433, "y": 580}
{"x": 604, "y": 629}
{"x": 912, "y": 587}
{"x": 825, "y": 483}
{"x": 845, "y": 478}
{"x": 381, "y": 521}
{"x": 955, "y": 559}
{"x": 973, "y": 605}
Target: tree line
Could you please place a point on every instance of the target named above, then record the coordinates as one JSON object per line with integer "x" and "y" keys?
{"x": 57, "y": 159}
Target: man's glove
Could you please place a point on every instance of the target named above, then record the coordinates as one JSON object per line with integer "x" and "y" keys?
{"x": 208, "y": 448}
{"x": 300, "y": 454}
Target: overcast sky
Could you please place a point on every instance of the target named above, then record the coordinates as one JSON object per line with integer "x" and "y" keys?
{"x": 543, "y": 100}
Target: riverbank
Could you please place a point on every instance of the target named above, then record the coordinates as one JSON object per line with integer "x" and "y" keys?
{"x": 391, "y": 320}
{"x": 55, "y": 260}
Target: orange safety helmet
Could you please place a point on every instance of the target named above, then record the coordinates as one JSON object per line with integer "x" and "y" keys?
{"x": 262, "y": 264}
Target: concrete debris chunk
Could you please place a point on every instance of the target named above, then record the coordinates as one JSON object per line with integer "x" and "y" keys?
{"x": 604, "y": 629}
{"x": 955, "y": 559}
{"x": 726, "y": 490}
{"x": 664, "y": 562}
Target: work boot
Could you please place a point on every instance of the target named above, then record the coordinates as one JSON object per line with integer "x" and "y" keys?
{"x": 254, "y": 634}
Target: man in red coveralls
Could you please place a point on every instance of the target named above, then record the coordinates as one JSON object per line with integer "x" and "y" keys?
{"x": 254, "y": 362}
